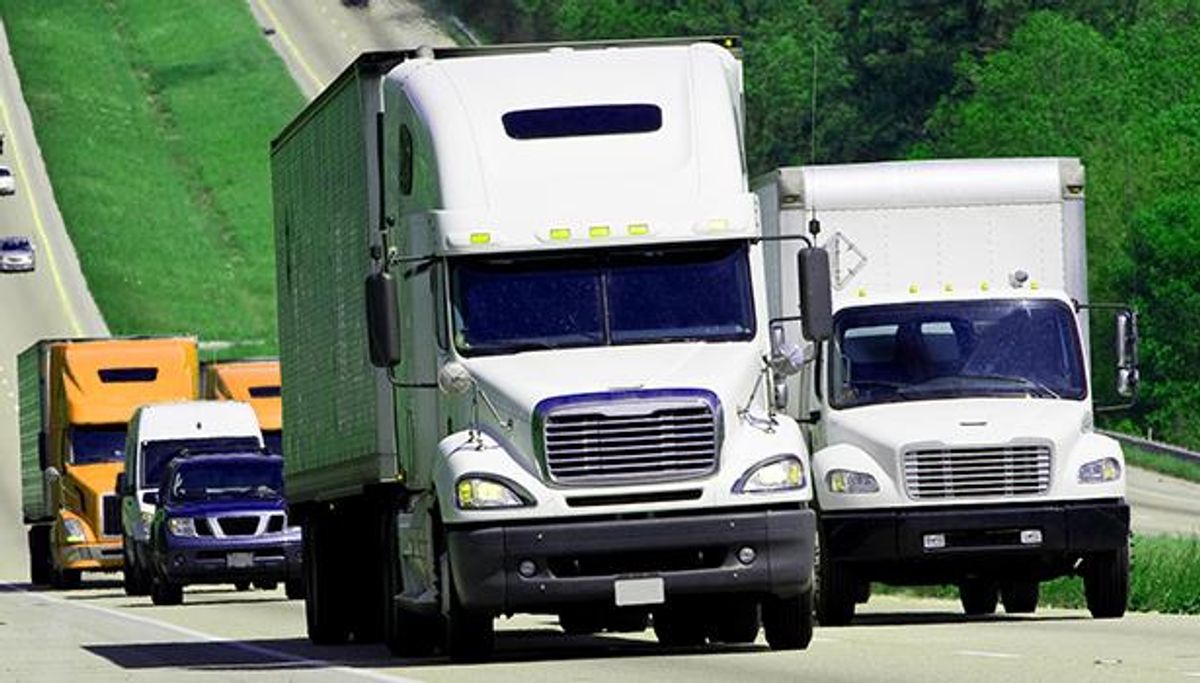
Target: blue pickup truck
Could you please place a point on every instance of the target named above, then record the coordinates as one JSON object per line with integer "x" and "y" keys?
{"x": 223, "y": 519}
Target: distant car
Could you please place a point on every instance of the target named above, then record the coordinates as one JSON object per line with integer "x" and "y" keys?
{"x": 223, "y": 519}
{"x": 8, "y": 184}
{"x": 17, "y": 254}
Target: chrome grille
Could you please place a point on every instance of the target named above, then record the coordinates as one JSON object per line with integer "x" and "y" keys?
{"x": 1011, "y": 470}
{"x": 110, "y": 515}
{"x": 653, "y": 438}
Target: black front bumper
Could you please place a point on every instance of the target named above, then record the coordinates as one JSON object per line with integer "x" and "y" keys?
{"x": 193, "y": 561}
{"x": 577, "y": 563}
{"x": 890, "y": 545}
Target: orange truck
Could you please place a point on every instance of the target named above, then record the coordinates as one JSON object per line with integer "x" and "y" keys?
{"x": 254, "y": 381}
{"x": 76, "y": 398}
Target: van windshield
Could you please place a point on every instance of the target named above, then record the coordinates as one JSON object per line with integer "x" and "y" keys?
{"x": 97, "y": 443}
{"x": 600, "y": 298}
{"x": 955, "y": 349}
{"x": 156, "y": 454}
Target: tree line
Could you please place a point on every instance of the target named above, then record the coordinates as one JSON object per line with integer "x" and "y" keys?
{"x": 1115, "y": 83}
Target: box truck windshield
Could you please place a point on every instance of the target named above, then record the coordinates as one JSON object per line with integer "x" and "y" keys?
{"x": 960, "y": 349}
{"x": 602, "y": 299}
{"x": 93, "y": 444}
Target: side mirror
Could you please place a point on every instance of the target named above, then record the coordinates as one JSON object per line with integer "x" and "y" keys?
{"x": 51, "y": 475}
{"x": 1127, "y": 353}
{"x": 816, "y": 294}
{"x": 788, "y": 358}
{"x": 120, "y": 488}
{"x": 383, "y": 320}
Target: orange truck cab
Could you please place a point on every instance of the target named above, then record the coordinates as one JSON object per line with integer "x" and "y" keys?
{"x": 76, "y": 398}
{"x": 255, "y": 382}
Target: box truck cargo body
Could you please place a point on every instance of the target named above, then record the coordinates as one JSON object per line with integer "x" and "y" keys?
{"x": 578, "y": 422}
{"x": 950, "y": 414}
{"x": 76, "y": 398}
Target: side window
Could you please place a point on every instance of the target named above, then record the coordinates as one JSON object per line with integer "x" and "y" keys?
{"x": 437, "y": 285}
{"x": 406, "y": 160}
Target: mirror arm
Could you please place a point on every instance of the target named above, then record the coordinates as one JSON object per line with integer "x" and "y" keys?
{"x": 781, "y": 238}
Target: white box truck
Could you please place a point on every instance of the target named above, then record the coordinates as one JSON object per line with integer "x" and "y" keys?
{"x": 551, "y": 395}
{"x": 950, "y": 413}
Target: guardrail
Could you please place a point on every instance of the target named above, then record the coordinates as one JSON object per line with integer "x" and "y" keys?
{"x": 1154, "y": 446}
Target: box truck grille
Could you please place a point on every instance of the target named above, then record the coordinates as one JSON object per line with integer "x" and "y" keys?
{"x": 1013, "y": 470}
{"x": 634, "y": 439}
{"x": 238, "y": 526}
{"x": 110, "y": 515}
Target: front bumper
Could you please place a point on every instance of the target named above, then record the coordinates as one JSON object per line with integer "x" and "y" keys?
{"x": 16, "y": 266}
{"x": 206, "y": 560}
{"x": 578, "y": 562}
{"x": 92, "y": 557}
{"x": 890, "y": 545}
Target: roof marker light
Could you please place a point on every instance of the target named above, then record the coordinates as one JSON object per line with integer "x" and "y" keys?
{"x": 862, "y": 291}
{"x": 913, "y": 289}
{"x": 481, "y": 238}
{"x": 560, "y": 233}
{"x": 983, "y": 286}
{"x": 1033, "y": 284}
{"x": 948, "y": 287}
{"x": 638, "y": 229}
{"x": 599, "y": 231}
{"x": 717, "y": 225}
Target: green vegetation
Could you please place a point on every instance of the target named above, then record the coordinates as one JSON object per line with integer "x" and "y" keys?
{"x": 1115, "y": 83}
{"x": 154, "y": 120}
{"x": 1164, "y": 577}
{"x": 1165, "y": 464}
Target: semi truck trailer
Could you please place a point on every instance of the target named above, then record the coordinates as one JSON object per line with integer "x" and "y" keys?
{"x": 951, "y": 412}
{"x": 76, "y": 398}
{"x": 525, "y": 354}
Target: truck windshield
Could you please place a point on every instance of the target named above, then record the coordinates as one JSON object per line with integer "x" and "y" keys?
{"x": 97, "y": 443}
{"x": 156, "y": 454}
{"x": 595, "y": 298}
{"x": 914, "y": 352}
{"x": 218, "y": 478}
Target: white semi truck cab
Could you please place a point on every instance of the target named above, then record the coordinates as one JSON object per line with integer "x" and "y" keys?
{"x": 566, "y": 405}
{"x": 951, "y": 411}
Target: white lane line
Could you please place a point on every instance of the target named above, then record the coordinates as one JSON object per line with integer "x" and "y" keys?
{"x": 985, "y": 653}
{"x": 305, "y": 662}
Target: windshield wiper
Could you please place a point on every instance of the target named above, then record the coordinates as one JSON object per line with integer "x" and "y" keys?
{"x": 1030, "y": 383}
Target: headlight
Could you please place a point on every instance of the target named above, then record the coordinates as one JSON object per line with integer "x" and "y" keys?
{"x": 849, "y": 481}
{"x": 1099, "y": 471}
{"x": 182, "y": 526}
{"x": 780, "y": 473}
{"x": 483, "y": 493}
{"x": 76, "y": 532}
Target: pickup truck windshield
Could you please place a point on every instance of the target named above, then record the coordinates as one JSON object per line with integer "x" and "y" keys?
{"x": 97, "y": 443}
{"x": 156, "y": 454}
{"x": 600, "y": 298}
{"x": 914, "y": 352}
{"x": 219, "y": 479}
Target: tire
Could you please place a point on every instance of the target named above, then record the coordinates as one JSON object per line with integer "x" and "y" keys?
{"x": 405, "y": 634}
{"x": 241, "y": 586}
{"x": 66, "y": 579}
{"x": 325, "y": 601}
{"x": 163, "y": 592}
{"x": 1106, "y": 583}
{"x": 134, "y": 579}
{"x": 582, "y": 621}
{"x": 1020, "y": 597}
{"x": 266, "y": 585}
{"x": 736, "y": 621}
{"x": 628, "y": 620}
{"x": 680, "y": 626}
{"x": 40, "y": 564}
{"x": 294, "y": 589}
{"x": 470, "y": 635}
{"x": 837, "y": 592}
{"x": 788, "y": 622}
{"x": 978, "y": 597}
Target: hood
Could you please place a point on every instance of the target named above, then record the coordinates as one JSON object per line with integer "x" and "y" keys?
{"x": 209, "y": 508}
{"x": 84, "y": 489}
{"x": 891, "y": 427}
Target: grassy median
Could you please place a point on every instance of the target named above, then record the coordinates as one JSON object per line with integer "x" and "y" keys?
{"x": 154, "y": 119}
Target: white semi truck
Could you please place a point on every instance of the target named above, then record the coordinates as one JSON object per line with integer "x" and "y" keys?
{"x": 525, "y": 353}
{"x": 950, "y": 414}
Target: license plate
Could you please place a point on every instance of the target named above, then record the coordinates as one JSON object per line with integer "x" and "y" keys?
{"x": 639, "y": 591}
{"x": 240, "y": 560}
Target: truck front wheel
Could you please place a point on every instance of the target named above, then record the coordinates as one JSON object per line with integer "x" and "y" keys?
{"x": 40, "y": 565}
{"x": 788, "y": 622}
{"x": 1106, "y": 583}
{"x": 1020, "y": 597}
{"x": 978, "y": 597}
{"x": 325, "y": 603}
{"x": 837, "y": 593}
{"x": 470, "y": 634}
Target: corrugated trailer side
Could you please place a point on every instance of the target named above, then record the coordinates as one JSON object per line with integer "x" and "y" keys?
{"x": 31, "y": 388}
{"x": 337, "y": 406}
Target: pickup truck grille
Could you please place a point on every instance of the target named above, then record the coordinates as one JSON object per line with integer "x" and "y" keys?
{"x": 110, "y": 515}
{"x": 238, "y": 526}
{"x": 632, "y": 437}
{"x": 1010, "y": 470}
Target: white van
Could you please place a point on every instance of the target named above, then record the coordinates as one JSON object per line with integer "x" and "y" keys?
{"x": 158, "y": 433}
